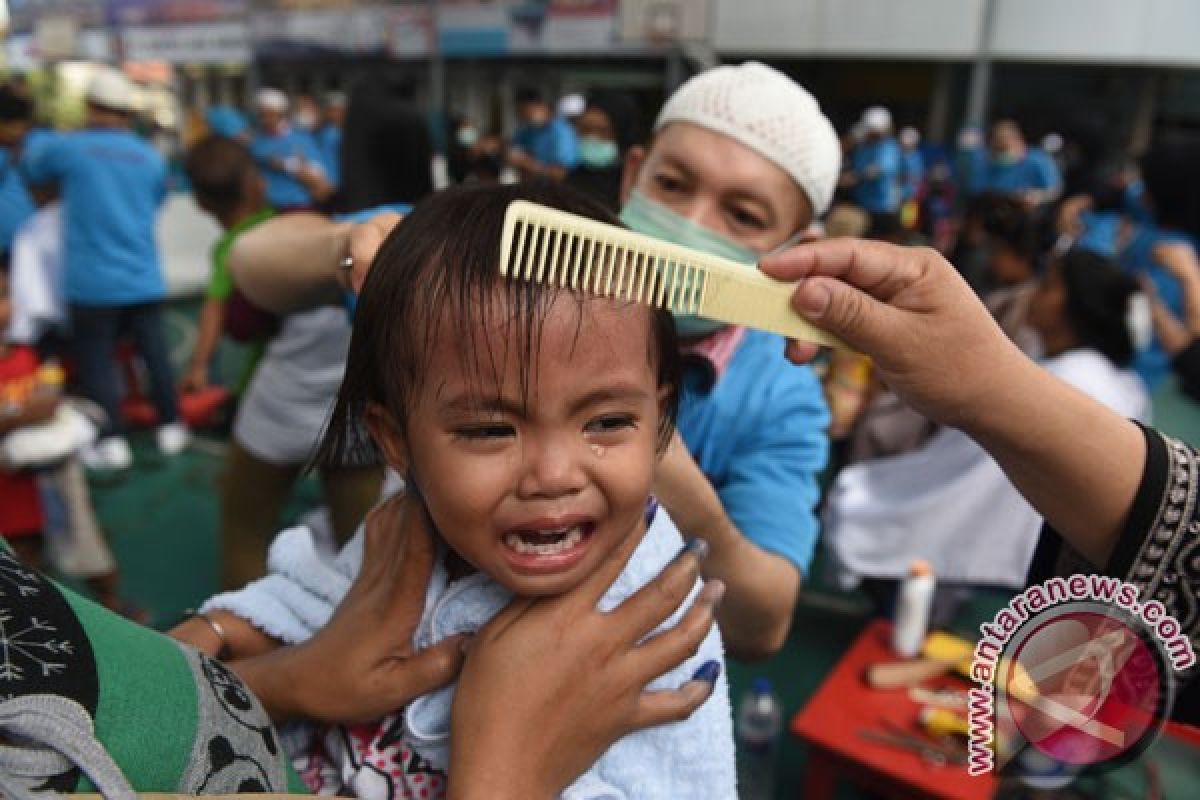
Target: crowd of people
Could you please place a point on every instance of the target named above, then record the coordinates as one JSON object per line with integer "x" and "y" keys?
{"x": 498, "y": 459}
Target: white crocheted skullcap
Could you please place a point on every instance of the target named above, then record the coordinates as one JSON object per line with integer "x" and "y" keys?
{"x": 877, "y": 119}
{"x": 771, "y": 114}
{"x": 269, "y": 99}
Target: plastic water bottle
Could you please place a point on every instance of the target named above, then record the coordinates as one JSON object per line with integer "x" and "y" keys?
{"x": 913, "y": 605}
{"x": 759, "y": 728}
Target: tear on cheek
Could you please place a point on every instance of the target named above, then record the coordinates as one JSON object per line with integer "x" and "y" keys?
{"x": 598, "y": 450}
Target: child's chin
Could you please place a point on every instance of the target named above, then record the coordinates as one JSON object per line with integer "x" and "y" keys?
{"x": 542, "y": 585}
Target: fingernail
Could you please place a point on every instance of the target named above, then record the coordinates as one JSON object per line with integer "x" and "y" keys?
{"x": 713, "y": 591}
{"x": 812, "y": 298}
{"x": 696, "y": 546}
{"x": 709, "y": 672}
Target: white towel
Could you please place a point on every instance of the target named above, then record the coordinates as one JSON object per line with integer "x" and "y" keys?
{"x": 692, "y": 759}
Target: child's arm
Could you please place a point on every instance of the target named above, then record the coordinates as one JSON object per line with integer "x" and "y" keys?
{"x": 37, "y": 409}
{"x": 212, "y": 321}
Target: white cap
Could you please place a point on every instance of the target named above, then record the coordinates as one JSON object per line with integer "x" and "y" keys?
{"x": 877, "y": 119}
{"x": 771, "y": 114}
{"x": 571, "y": 105}
{"x": 110, "y": 89}
{"x": 909, "y": 136}
{"x": 268, "y": 99}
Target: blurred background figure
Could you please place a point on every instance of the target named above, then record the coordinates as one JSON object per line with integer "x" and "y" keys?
{"x": 289, "y": 158}
{"x": 912, "y": 176}
{"x": 1011, "y": 167}
{"x": 544, "y": 145}
{"x": 608, "y": 127}
{"x": 112, "y": 183}
{"x": 877, "y": 170}
{"x": 329, "y": 133}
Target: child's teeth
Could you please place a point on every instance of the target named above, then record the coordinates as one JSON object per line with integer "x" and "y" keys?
{"x": 569, "y": 538}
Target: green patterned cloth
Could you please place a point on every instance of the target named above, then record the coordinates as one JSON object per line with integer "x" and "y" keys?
{"x": 171, "y": 719}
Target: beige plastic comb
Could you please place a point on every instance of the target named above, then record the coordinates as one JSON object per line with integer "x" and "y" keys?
{"x": 556, "y": 248}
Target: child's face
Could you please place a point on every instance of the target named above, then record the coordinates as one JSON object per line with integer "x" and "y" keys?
{"x": 535, "y": 488}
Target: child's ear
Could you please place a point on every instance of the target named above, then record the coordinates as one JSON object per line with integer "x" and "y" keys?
{"x": 664, "y": 394}
{"x": 388, "y": 438}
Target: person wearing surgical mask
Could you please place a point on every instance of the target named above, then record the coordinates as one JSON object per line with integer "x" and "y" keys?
{"x": 1014, "y": 168}
{"x": 607, "y": 128}
{"x": 544, "y": 146}
{"x": 306, "y": 115}
{"x": 741, "y": 163}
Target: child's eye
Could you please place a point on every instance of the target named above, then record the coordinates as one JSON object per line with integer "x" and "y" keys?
{"x": 478, "y": 432}
{"x": 610, "y": 423}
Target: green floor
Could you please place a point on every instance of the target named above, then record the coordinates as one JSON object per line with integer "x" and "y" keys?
{"x": 162, "y": 521}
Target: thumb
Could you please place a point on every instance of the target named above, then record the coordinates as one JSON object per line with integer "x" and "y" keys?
{"x": 852, "y": 315}
{"x": 431, "y": 668}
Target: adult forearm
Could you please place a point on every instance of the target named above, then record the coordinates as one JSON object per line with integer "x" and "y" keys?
{"x": 290, "y": 263}
{"x": 1078, "y": 463}
{"x": 760, "y": 590}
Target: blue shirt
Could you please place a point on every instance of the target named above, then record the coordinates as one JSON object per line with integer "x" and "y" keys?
{"x": 272, "y": 152}
{"x": 877, "y": 165}
{"x": 329, "y": 142}
{"x": 759, "y": 436}
{"x": 1035, "y": 170}
{"x": 554, "y": 143}
{"x": 912, "y": 173}
{"x": 1153, "y": 363}
{"x": 111, "y": 182}
{"x": 226, "y": 121}
{"x": 16, "y": 205}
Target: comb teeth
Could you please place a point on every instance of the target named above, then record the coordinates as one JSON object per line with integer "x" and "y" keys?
{"x": 552, "y": 255}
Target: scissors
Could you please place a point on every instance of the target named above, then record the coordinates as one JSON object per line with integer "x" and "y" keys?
{"x": 938, "y": 755}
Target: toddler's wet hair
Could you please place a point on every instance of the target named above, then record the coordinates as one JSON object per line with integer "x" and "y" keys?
{"x": 440, "y": 267}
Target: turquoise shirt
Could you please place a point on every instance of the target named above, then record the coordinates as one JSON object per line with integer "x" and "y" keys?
{"x": 329, "y": 142}
{"x": 272, "y": 152}
{"x": 554, "y": 143}
{"x": 112, "y": 183}
{"x": 878, "y": 166}
{"x": 16, "y": 205}
{"x": 759, "y": 436}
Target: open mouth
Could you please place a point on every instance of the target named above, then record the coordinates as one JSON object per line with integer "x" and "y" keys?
{"x": 547, "y": 549}
{"x": 545, "y": 543}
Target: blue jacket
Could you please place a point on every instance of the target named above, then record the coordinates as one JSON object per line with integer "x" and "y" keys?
{"x": 759, "y": 436}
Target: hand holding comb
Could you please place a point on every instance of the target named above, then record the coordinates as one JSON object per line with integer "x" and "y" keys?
{"x": 564, "y": 250}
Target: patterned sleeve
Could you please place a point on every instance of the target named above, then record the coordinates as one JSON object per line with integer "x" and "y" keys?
{"x": 1159, "y": 550}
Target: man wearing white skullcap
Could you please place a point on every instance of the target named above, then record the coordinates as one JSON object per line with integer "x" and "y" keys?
{"x": 876, "y": 166}
{"x": 742, "y": 162}
{"x": 289, "y": 158}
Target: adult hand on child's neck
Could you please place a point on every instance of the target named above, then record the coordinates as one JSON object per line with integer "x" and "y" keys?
{"x": 361, "y": 665}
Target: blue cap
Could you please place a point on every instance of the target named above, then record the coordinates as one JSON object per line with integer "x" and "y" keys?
{"x": 762, "y": 685}
{"x": 226, "y": 121}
